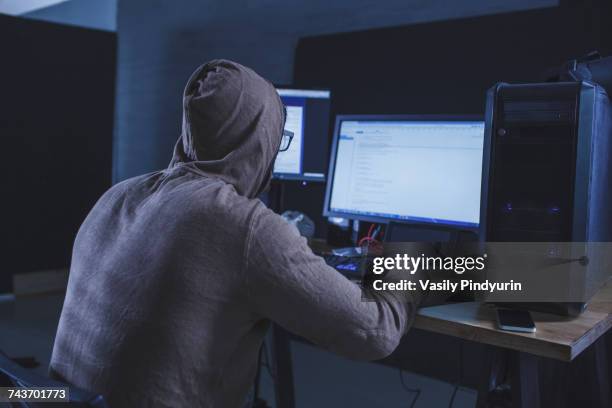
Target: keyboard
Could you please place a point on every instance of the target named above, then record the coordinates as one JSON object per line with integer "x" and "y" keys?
{"x": 347, "y": 265}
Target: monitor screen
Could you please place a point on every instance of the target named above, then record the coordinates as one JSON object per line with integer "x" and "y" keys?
{"x": 308, "y": 119}
{"x": 424, "y": 170}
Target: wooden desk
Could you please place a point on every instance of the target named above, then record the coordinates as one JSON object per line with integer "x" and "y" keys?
{"x": 558, "y": 341}
{"x": 557, "y": 337}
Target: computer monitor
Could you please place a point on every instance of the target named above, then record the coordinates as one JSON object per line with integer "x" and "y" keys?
{"x": 308, "y": 119}
{"x": 407, "y": 169}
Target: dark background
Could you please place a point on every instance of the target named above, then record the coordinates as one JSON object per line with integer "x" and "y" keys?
{"x": 446, "y": 67}
{"x": 57, "y": 93}
{"x": 57, "y": 89}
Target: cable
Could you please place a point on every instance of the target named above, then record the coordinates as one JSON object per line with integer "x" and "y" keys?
{"x": 369, "y": 234}
{"x": 375, "y": 233}
{"x": 262, "y": 361}
{"x": 257, "y": 375}
{"x": 370, "y": 237}
{"x": 415, "y": 391}
{"x": 367, "y": 237}
{"x": 452, "y": 400}
{"x": 364, "y": 240}
{"x": 265, "y": 362}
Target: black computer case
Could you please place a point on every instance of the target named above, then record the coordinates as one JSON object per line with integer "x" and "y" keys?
{"x": 546, "y": 167}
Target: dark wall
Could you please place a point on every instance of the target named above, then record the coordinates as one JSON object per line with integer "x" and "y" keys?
{"x": 56, "y": 122}
{"x": 446, "y": 67}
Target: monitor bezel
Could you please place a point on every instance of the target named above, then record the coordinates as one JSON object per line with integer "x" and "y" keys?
{"x": 302, "y": 176}
{"x": 327, "y": 212}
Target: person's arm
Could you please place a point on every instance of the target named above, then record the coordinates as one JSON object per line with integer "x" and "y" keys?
{"x": 291, "y": 286}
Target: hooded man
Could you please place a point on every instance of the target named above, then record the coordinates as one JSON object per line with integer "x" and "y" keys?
{"x": 176, "y": 274}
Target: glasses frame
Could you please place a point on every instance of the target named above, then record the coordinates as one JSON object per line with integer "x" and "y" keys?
{"x": 286, "y": 134}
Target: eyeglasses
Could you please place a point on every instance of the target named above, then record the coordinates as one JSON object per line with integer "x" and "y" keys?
{"x": 286, "y": 140}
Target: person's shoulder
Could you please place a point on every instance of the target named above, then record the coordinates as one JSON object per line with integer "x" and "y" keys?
{"x": 119, "y": 190}
{"x": 266, "y": 222}
{"x": 249, "y": 212}
{"x": 131, "y": 183}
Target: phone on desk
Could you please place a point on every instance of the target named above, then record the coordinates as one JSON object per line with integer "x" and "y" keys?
{"x": 515, "y": 320}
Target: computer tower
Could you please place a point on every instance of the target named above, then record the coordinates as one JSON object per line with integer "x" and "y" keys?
{"x": 546, "y": 168}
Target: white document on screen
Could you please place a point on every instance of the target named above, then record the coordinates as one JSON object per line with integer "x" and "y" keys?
{"x": 291, "y": 160}
{"x": 429, "y": 171}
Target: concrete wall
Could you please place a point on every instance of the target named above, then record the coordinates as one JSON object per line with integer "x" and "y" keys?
{"x": 160, "y": 43}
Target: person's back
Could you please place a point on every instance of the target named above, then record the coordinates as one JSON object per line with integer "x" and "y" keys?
{"x": 149, "y": 307}
{"x": 176, "y": 274}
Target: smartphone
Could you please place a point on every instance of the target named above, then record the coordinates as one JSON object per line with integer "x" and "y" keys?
{"x": 515, "y": 320}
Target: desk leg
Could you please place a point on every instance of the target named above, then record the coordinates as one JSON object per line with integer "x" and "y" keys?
{"x": 525, "y": 380}
{"x": 601, "y": 384}
{"x": 283, "y": 368}
{"x": 555, "y": 383}
{"x": 492, "y": 366}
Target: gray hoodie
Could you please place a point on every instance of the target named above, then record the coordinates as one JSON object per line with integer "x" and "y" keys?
{"x": 176, "y": 274}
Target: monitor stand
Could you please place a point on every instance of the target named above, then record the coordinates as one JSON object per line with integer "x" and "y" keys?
{"x": 399, "y": 232}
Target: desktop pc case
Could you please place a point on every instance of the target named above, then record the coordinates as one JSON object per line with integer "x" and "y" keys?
{"x": 546, "y": 169}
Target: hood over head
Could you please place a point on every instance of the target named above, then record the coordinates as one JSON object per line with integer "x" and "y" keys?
{"x": 232, "y": 126}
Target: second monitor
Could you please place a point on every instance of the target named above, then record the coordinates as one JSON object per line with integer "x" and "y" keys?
{"x": 415, "y": 169}
{"x": 308, "y": 119}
